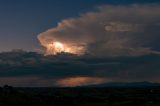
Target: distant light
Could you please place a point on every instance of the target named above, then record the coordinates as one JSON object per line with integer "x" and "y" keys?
{"x": 58, "y": 47}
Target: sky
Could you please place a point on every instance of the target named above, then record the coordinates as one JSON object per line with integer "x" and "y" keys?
{"x": 21, "y": 21}
{"x": 85, "y": 42}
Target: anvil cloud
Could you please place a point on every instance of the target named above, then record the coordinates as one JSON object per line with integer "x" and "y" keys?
{"x": 111, "y": 30}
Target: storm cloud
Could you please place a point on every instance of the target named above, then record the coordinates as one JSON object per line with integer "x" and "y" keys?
{"x": 111, "y": 30}
{"x": 121, "y": 44}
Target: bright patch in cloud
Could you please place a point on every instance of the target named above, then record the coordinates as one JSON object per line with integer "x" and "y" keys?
{"x": 80, "y": 81}
{"x": 58, "y": 47}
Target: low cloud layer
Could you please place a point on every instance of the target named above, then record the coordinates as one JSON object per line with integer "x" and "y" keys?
{"x": 111, "y": 30}
{"x": 32, "y": 69}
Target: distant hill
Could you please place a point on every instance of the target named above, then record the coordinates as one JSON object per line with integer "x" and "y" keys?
{"x": 127, "y": 84}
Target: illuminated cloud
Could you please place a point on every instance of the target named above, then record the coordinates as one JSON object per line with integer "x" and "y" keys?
{"x": 112, "y": 30}
{"x": 80, "y": 81}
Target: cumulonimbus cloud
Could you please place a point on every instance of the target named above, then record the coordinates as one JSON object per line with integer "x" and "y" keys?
{"x": 119, "y": 30}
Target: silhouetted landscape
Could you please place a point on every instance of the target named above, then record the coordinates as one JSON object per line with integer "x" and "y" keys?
{"x": 81, "y": 96}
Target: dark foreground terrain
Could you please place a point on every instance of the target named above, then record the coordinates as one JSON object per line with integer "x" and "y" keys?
{"x": 88, "y": 96}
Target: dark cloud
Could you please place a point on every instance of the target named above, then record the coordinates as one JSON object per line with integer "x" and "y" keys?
{"x": 32, "y": 69}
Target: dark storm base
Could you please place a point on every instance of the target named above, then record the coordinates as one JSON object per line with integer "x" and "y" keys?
{"x": 80, "y": 96}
